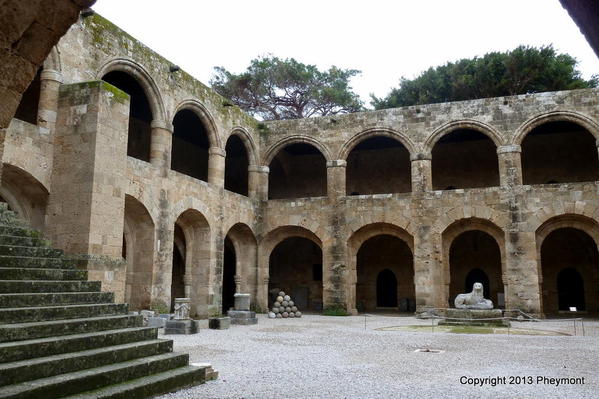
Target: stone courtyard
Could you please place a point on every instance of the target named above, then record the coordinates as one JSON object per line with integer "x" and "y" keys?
{"x": 336, "y": 357}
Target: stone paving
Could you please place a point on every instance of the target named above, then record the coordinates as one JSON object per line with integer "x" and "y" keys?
{"x": 341, "y": 357}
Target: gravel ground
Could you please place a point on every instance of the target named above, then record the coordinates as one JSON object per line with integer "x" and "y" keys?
{"x": 337, "y": 357}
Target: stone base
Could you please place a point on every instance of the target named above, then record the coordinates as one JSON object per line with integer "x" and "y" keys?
{"x": 474, "y": 317}
{"x": 211, "y": 373}
{"x": 242, "y": 317}
{"x": 219, "y": 323}
{"x": 181, "y": 327}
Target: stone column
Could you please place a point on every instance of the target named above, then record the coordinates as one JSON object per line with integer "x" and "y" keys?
{"x": 262, "y": 300}
{"x": 422, "y": 178}
{"x": 238, "y": 283}
{"x": 216, "y": 166}
{"x": 161, "y": 144}
{"x": 336, "y": 178}
{"x": 258, "y": 182}
{"x": 510, "y": 165}
{"x": 187, "y": 282}
{"x": 428, "y": 279}
{"x": 48, "y": 102}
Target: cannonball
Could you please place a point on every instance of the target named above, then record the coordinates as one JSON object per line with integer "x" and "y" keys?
{"x": 287, "y": 309}
{"x": 276, "y": 304}
{"x": 285, "y": 304}
{"x": 294, "y": 308}
{"x": 276, "y": 310}
{"x": 298, "y": 314}
{"x": 282, "y": 293}
{"x": 279, "y": 299}
{"x": 287, "y": 297}
{"x": 285, "y": 315}
{"x": 291, "y": 314}
{"x": 279, "y": 315}
{"x": 271, "y": 315}
{"x": 291, "y": 303}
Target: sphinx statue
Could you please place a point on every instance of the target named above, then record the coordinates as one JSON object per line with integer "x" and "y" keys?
{"x": 473, "y": 300}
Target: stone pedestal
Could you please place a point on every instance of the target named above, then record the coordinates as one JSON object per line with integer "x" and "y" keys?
{"x": 242, "y": 314}
{"x": 181, "y": 327}
{"x": 474, "y": 317}
{"x": 219, "y": 323}
{"x": 242, "y": 301}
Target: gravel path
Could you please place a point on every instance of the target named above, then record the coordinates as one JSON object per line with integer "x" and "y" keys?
{"x": 336, "y": 357}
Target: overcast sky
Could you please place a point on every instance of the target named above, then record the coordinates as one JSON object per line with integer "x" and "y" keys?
{"x": 384, "y": 39}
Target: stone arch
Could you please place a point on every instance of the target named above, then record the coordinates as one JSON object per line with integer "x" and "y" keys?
{"x": 25, "y": 195}
{"x": 556, "y": 116}
{"x": 460, "y": 229}
{"x": 356, "y": 241}
{"x": 248, "y": 141}
{"x": 206, "y": 117}
{"x": 245, "y": 259}
{"x": 143, "y": 78}
{"x": 198, "y": 258}
{"x": 240, "y": 155}
{"x": 469, "y": 124}
{"x": 374, "y": 132}
{"x": 274, "y": 149}
{"x": 585, "y": 233}
{"x": 139, "y": 253}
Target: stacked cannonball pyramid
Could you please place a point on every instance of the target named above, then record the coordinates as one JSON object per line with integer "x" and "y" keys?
{"x": 283, "y": 308}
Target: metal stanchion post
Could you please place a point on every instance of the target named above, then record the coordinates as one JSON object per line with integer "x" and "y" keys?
{"x": 582, "y": 325}
{"x": 574, "y": 327}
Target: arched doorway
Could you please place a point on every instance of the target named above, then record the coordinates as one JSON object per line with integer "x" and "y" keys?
{"x": 189, "y": 153}
{"x": 236, "y": 166}
{"x": 297, "y": 171}
{"x": 229, "y": 272}
{"x": 140, "y": 114}
{"x": 295, "y": 266}
{"x": 178, "y": 270}
{"x": 386, "y": 289}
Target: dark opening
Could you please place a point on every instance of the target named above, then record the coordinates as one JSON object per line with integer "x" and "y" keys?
{"x": 377, "y": 257}
{"x": 317, "y": 272}
{"x": 379, "y": 165}
{"x": 465, "y": 158}
{"x": 178, "y": 269}
{"x": 570, "y": 289}
{"x": 229, "y": 266}
{"x": 559, "y": 152}
{"x": 477, "y": 276}
{"x": 124, "y": 249}
{"x": 140, "y": 114}
{"x": 236, "y": 166}
{"x": 291, "y": 268}
{"x": 190, "y": 145}
{"x": 386, "y": 289}
{"x": 298, "y": 170}
{"x": 28, "y": 107}
{"x": 475, "y": 255}
{"x": 570, "y": 268}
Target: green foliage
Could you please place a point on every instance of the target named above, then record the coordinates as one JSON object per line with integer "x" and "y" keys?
{"x": 160, "y": 307}
{"x": 520, "y": 71}
{"x": 273, "y": 88}
{"x": 336, "y": 310}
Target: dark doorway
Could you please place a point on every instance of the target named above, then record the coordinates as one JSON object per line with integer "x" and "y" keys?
{"x": 229, "y": 266}
{"x": 477, "y": 276}
{"x": 140, "y": 114}
{"x": 177, "y": 284}
{"x": 236, "y": 166}
{"x": 570, "y": 289}
{"x": 189, "y": 153}
{"x": 386, "y": 289}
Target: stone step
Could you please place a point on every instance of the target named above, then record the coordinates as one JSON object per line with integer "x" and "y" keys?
{"x": 41, "y": 252}
{"x": 42, "y": 367}
{"x": 22, "y": 350}
{"x": 42, "y": 329}
{"x": 90, "y": 379}
{"x": 35, "y": 262}
{"x": 10, "y": 273}
{"x": 49, "y": 299}
{"x": 150, "y": 386}
{"x": 62, "y": 312}
{"x": 17, "y": 286}
{"x": 23, "y": 241}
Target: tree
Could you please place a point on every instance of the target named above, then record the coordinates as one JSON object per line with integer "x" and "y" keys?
{"x": 273, "y": 88}
{"x": 522, "y": 70}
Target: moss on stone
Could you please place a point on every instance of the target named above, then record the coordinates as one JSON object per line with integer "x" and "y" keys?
{"x": 118, "y": 95}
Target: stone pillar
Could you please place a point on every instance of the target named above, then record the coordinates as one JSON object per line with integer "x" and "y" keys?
{"x": 48, "y": 102}
{"x": 335, "y": 273}
{"x": 428, "y": 279}
{"x": 422, "y": 178}
{"x": 187, "y": 282}
{"x": 262, "y": 300}
{"x": 216, "y": 166}
{"x": 162, "y": 272}
{"x": 161, "y": 144}
{"x": 258, "y": 182}
{"x": 85, "y": 212}
{"x": 238, "y": 284}
{"x": 510, "y": 165}
{"x": 336, "y": 178}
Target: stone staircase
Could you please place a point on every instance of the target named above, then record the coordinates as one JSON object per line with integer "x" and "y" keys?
{"x": 60, "y": 336}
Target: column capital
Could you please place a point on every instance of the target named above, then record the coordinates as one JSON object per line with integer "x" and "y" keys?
{"x": 505, "y": 149}
{"x": 421, "y": 156}
{"x": 338, "y": 163}
{"x": 217, "y": 151}
{"x": 50, "y": 74}
{"x": 258, "y": 169}
{"x": 158, "y": 124}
